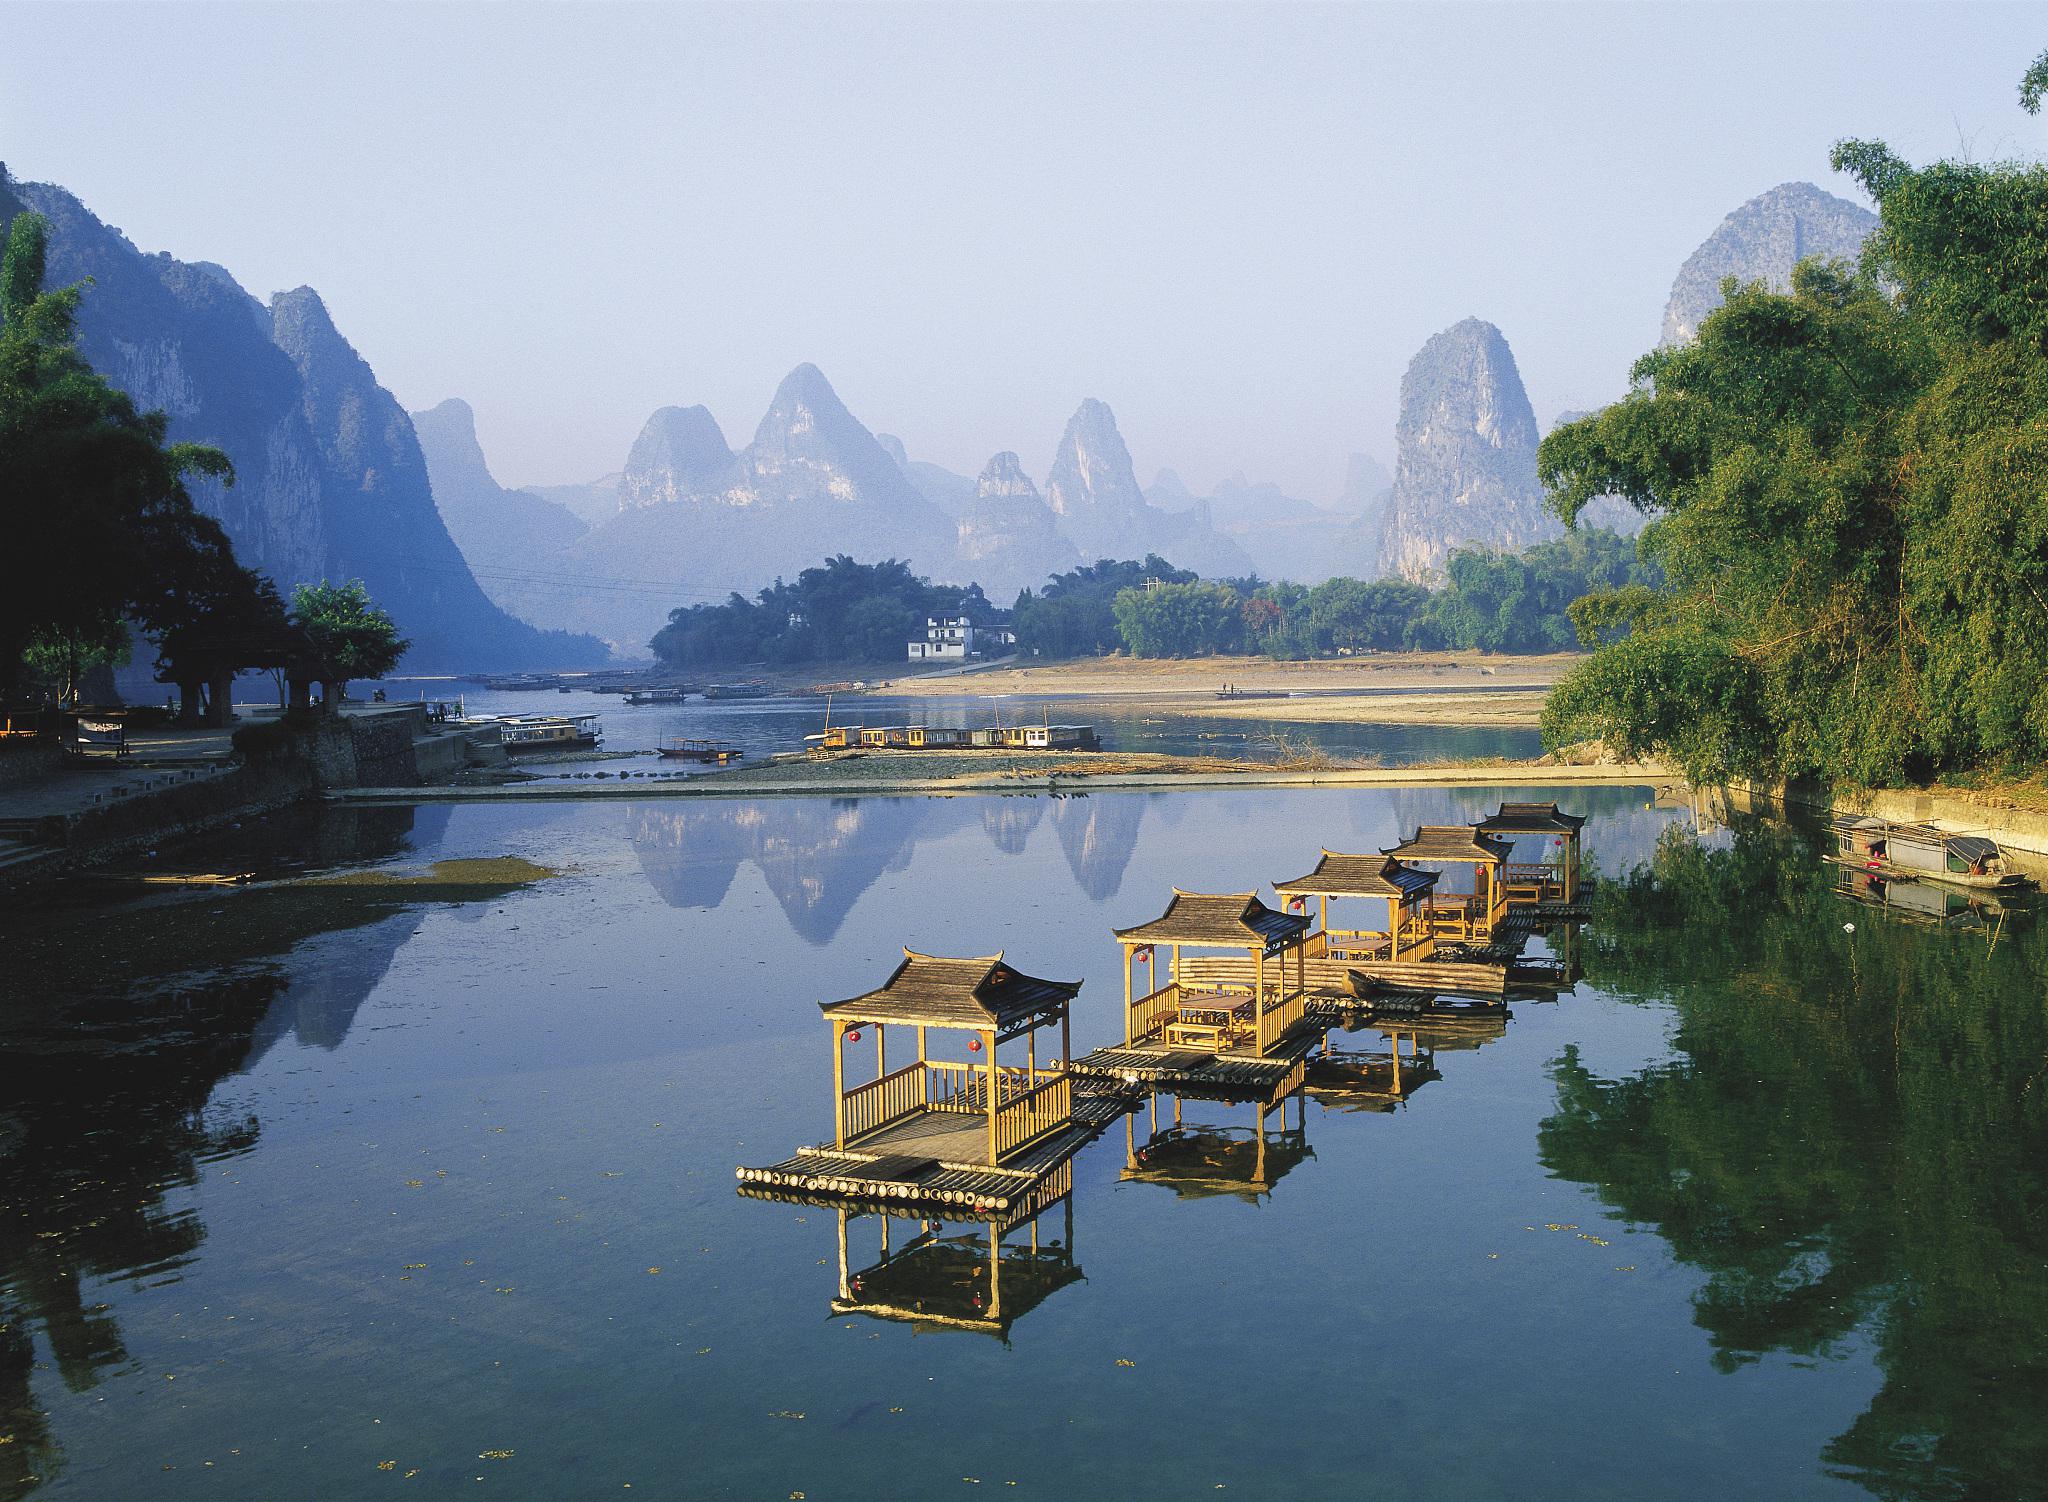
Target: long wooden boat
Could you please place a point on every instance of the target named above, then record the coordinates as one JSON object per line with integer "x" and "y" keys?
{"x": 563, "y": 732}
{"x": 1923, "y": 853}
{"x": 711, "y": 753}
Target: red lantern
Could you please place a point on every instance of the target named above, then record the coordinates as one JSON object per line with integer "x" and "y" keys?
{"x": 854, "y": 1036}
{"x": 974, "y": 1045}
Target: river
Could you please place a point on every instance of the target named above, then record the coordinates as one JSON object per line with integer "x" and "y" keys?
{"x": 411, "y": 1167}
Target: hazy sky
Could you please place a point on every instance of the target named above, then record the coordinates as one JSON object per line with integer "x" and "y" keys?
{"x": 1235, "y": 224}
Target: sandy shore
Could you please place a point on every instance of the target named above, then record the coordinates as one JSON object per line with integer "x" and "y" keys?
{"x": 1203, "y": 677}
{"x": 1450, "y": 688}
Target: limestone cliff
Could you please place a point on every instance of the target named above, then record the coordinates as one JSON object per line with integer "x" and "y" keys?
{"x": 329, "y": 480}
{"x": 1466, "y": 472}
{"x": 1761, "y": 242}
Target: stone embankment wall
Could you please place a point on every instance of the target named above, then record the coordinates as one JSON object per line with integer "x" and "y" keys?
{"x": 280, "y": 765}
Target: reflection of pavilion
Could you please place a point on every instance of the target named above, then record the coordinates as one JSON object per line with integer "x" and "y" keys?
{"x": 984, "y": 1276}
{"x": 1203, "y": 1160}
{"x": 1361, "y": 1077}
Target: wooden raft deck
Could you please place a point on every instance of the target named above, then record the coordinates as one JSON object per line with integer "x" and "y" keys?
{"x": 1190, "y": 1071}
{"x": 930, "y": 1159}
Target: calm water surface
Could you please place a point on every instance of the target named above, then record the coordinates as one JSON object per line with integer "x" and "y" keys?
{"x": 369, "y": 1192}
{"x": 762, "y": 726}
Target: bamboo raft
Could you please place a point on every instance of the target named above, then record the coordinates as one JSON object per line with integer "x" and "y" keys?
{"x": 901, "y": 1179}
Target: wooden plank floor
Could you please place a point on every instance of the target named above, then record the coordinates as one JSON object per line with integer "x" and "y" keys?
{"x": 950, "y": 1136}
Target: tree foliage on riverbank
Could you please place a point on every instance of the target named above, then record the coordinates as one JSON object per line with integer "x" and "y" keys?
{"x": 1490, "y": 601}
{"x": 840, "y": 612}
{"x": 1852, "y": 487}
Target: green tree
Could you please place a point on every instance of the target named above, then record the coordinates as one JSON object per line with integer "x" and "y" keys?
{"x": 62, "y": 655}
{"x": 345, "y": 635}
{"x": 100, "y": 526}
{"x": 1075, "y": 614}
{"x": 1195, "y": 619}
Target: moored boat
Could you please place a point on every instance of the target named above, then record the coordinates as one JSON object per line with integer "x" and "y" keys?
{"x": 549, "y": 732}
{"x": 1923, "y": 852}
{"x": 711, "y": 753}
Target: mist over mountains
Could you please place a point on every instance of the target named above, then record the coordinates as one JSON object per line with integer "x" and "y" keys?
{"x": 335, "y": 480}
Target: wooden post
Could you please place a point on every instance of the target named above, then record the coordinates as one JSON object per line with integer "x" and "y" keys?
{"x": 1031, "y": 1057}
{"x": 1259, "y": 998}
{"x": 1129, "y": 963}
{"x": 1571, "y": 866}
{"x": 988, "y": 1041}
{"x": 881, "y": 1058}
{"x": 1259, "y": 1131}
{"x": 838, "y": 1084}
{"x": 1066, "y": 1049}
{"x": 845, "y": 1283}
{"x": 1396, "y": 1038}
{"x": 1130, "y": 1144}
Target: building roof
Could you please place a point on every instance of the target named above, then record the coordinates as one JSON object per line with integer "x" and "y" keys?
{"x": 1450, "y": 842}
{"x": 1232, "y": 919}
{"x": 1339, "y": 875}
{"x": 1530, "y": 818}
{"x": 932, "y": 991}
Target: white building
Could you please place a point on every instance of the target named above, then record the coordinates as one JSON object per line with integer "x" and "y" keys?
{"x": 957, "y": 637}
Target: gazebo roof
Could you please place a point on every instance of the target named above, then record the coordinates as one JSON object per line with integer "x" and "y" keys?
{"x": 1233, "y": 920}
{"x": 1340, "y": 875}
{"x": 1450, "y": 842}
{"x": 932, "y": 991}
{"x": 1530, "y": 818}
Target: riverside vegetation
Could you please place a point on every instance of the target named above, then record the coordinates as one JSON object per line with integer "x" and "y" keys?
{"x": 1490, "y": 601}
{"x": 1847, "y": 486}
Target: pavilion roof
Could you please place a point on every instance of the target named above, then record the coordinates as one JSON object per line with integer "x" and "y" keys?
{"x": 1530, "y": 818}
{"x": 1234, "y": 920}
{"x": 1340, "y": 875}
{"x": 933, "y": 991}
{"x": 1450, "y": 842}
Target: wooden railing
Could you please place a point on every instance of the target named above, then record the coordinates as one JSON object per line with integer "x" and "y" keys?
{"x": 951, "y": 1087}
{"x": 1033, "y": 1113}
{"x": 1352, "y": 943}
{"x": 1283, "y": 1013}
{"x": 1149, "y": 1013}
{"x": 879, "y": 1102}
{"x": 964, "y": 1087}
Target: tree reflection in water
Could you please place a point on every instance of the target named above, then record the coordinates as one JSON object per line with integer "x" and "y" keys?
{"x": 1851, "y": 1146}
{"x": 135, "y": 1009}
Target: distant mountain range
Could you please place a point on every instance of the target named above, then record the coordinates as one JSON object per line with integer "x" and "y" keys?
{"x": 689, "y": 519}
{"x": 330, "y": 482}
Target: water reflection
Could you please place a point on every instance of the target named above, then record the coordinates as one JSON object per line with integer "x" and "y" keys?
{"x": 1097, "y": 835}
{"x": 820, "y": 856}
{"x": 981, "y": 1276}
{"x": 109, "y": 1117}
{"x": 1199, "y": 1153}
{"x": 1851, "y": 1146}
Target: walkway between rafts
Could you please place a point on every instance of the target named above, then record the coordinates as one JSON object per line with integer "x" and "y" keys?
{"x": 1190, "y": 1071}
{"x": 928, "y": 1161}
